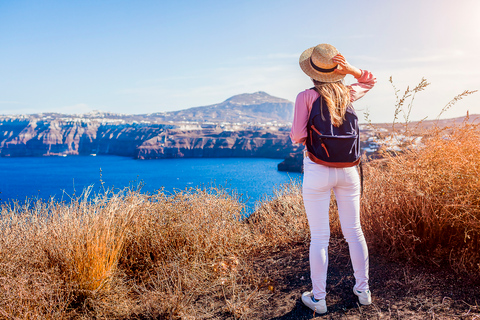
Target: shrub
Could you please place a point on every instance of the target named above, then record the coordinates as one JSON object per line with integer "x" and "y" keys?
{"x": 129, "y": 254}
{"x": 424, "y": 204}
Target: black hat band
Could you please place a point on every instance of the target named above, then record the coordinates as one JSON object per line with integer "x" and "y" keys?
{"x": 321, "y": 69}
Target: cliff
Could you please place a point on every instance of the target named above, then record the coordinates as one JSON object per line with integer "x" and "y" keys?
{"x": 217, "y": 142}
{"x": 142, "y": 141}
{"x": 246, "y": 125}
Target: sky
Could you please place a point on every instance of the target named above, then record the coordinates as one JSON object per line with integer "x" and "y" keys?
{"x": 143, "y": 56}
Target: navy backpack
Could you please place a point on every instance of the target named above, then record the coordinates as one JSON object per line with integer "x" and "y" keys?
{"x": 329, "y": 145}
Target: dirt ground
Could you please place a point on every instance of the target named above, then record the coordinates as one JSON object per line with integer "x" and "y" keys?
{"x": 399, "y": 290}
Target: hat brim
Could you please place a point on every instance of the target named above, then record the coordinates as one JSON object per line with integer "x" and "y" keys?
{"x": 306, "y": 66}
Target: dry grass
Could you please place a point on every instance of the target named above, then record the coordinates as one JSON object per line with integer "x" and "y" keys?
{"x": 424, "y": 205}
{"x": 132, "y": 255}
{"x": 281, "y": 221}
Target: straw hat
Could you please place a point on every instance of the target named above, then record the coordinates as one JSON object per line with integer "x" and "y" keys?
{"x": 317, "y": 63}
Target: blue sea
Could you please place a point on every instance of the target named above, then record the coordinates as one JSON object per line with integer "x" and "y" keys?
{"x": 62, "y": 177}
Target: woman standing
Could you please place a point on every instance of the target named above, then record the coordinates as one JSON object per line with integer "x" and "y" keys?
{"x": 327, "y": 68}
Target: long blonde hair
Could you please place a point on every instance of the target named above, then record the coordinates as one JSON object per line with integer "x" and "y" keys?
{"x": 337, "y": 97}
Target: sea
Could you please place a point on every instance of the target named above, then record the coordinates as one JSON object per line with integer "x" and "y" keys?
{"x": 61, "y": 178}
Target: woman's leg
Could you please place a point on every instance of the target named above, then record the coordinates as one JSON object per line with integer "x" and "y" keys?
{"x": 316, "y": 197}
{"x": 347, "y": 192}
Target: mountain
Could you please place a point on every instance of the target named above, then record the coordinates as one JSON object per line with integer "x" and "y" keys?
{"x": 247, "y": 107}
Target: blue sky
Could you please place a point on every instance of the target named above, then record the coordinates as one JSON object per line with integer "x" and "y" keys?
{"x": 149, "y": 56}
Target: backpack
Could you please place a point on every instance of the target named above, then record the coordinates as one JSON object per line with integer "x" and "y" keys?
{"x": 329, "y": 145}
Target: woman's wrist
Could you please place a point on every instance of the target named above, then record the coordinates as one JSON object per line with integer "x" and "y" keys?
{"x": 357, "y": 73}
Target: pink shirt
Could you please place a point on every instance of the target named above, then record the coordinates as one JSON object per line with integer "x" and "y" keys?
{"x": 305, "y": 99}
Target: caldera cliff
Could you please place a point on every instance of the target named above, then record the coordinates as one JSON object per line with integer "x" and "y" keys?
{"x": 247, "y": 125}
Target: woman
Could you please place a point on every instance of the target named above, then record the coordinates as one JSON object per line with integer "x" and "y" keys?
{"x": 327, "y": 68}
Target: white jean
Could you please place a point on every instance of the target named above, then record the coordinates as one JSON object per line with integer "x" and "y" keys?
{"x": 318, "y": 181}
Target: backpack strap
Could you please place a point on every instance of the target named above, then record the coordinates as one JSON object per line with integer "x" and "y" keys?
{"x": 332, "y": 164}
{"x": 360, "y": 166}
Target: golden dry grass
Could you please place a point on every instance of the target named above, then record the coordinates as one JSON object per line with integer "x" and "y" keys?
{"x": 132, "y": 255}
{"x": 424, "y": 204}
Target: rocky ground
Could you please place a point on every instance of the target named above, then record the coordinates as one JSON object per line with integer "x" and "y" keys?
{"x": 400, "y": 290}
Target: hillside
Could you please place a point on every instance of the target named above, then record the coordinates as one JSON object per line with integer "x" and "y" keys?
{"x": 246, "y": 125}
{"x": 420, "y": 126}
{"x": 378, "y": 137}
{"x": 255, "y": 107}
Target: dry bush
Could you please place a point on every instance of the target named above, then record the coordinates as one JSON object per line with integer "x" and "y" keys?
{"x": 65, "y": 253}
{"x": 424, "y": 204}
{"x": 281, "y": 220}
{"x": 133, "y": 255}
{"x": 187, "y": 246}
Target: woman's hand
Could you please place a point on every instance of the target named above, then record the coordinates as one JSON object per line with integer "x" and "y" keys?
{"x": 344, "y": 67}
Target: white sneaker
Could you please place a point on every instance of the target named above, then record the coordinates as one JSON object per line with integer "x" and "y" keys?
{"x": 319, "y": 307}
{"x": 364, "y": 297}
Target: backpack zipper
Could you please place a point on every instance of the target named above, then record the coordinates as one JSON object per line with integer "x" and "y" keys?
{"x": 323, "y": 144}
